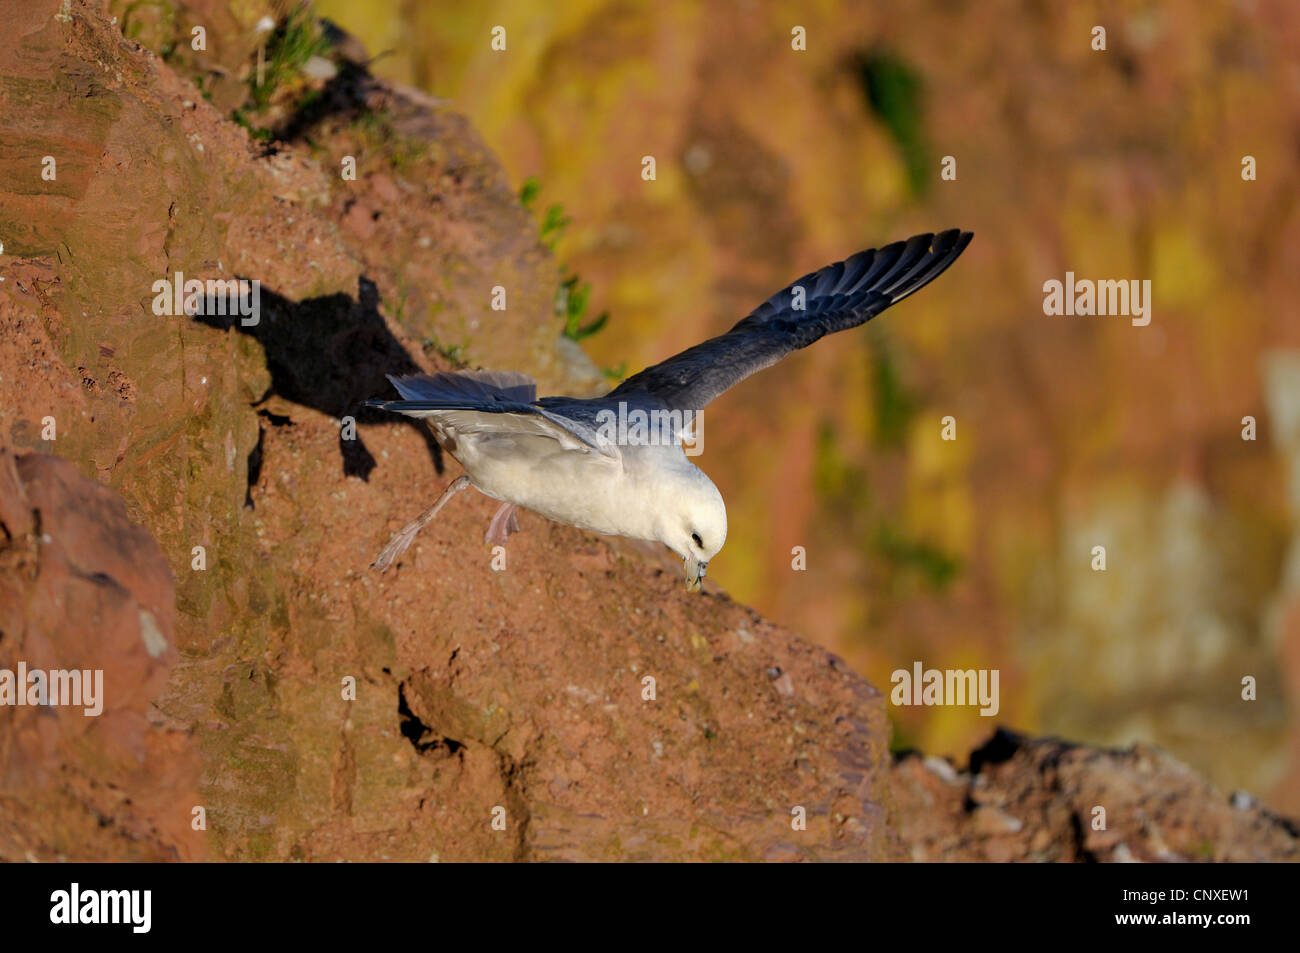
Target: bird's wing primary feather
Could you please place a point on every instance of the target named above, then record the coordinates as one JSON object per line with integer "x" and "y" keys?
{"x": 836, "y": 298}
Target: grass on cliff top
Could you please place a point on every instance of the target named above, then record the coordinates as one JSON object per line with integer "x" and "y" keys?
{"x": 573, "y": 294}
{"x": 295, "y": 40}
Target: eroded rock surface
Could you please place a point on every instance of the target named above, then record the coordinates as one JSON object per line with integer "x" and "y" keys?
{"x": 1043, "y": 799}
{"x": 84, "y": 589}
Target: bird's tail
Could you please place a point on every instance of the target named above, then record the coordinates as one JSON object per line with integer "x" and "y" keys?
{"x": 459, "y": 390}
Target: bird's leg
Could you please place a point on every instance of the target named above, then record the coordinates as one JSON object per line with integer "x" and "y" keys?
{"x": 406, "y": 535}
{"x": 504, "y": 522}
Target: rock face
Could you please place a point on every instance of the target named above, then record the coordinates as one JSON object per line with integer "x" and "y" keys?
{"x": 1072, "y": 432}
{"x": 336, "y": 712}
{"x": 84, "y": 589}
{"x": 181, "y": 505}
{"x": 1024, "y": 799}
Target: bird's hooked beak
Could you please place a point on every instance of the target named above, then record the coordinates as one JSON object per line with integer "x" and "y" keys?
{"x": 694, "y": 573}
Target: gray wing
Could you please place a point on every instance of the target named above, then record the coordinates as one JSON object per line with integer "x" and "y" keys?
{"x": 836, "y": 298}
{"x": 498, "y": 403}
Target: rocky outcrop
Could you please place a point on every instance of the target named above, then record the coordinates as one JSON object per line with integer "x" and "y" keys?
{"x": 1023, "y": 799}
{"x": 1071, "y": 432}
{"x": 85, "y": 590}
{"x": 578, "y": 697}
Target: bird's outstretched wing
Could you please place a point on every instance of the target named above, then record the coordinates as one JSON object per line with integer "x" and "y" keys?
{"x": 490, "y": 403}
{"x": 836, "y": 298}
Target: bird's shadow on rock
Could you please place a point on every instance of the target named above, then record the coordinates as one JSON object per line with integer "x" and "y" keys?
{"x": 330, "y": 354}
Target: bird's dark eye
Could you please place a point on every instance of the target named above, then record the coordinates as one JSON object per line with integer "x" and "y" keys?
{"x": 698, "y": 542}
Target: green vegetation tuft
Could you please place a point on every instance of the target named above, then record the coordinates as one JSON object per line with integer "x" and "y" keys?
{"x": 150, "y": 23}
{"x": 256, "y": 132}
{"x": 385, "y": 142}
{"x": 894, "y": 406}
{"x": 573, "y": 294}
{"x": 936, "y": 567}
{"x": 292, "y": 43}
{"x": 528, "y": 191}
{"x": 900, "y": 741}
{"x": 615, "y": 373}
{"x": 554, "y": 222}
{"x": 834, "y": 476}
{"x": 571, "y": 302}
{"x": 893, "y": 90}
{"x": 455, "y": 354}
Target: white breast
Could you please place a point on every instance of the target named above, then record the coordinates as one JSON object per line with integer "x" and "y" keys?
{"x": 620, "y": 495}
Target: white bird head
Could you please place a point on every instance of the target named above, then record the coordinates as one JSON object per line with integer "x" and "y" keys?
{"x": 694, "y": 525}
